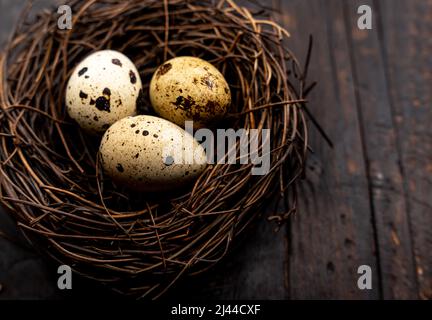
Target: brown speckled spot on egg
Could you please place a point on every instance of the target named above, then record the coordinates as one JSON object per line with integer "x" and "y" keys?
{"x": 211, "y": 105}
{"x": 132, "y": 76}
{"x": 184, "y": 103}
{"x": 136, "y": 156}
{"x": 145, "y": 133}
{"x": 163, "y": 69}
{"x": 120, "y": 168}
{"x": 156, "y": 136}
{"x": 117, "y": 62}
{"x": 107, "y": 92}
{"x": 103, "y": 104}
{"x": 83, "y": 95}
{"x": 92, "y": 102}
{"x": 133, "y": 125}
{"x": 95, "y": 118}
{"x": 82, "y": 71}
{"x": 226, "y": 90}
{"x": 137, "y": 132}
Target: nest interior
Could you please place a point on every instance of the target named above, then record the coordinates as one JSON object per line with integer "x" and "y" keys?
{"x": 50, "y": 179}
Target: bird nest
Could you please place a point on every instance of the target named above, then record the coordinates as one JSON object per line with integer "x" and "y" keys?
{"x": 51, "y": 181}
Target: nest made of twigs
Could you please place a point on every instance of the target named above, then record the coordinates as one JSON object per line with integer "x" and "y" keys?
{"x": 50, "y": 180}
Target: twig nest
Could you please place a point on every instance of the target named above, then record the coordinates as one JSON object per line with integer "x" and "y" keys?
{"x": 190, "y": 88}
{"x": 103, "y": 88}
{"x": 52, "y": 182}
{"x": 151, "y": 154}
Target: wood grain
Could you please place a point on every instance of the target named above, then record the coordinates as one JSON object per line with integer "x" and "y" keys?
{"x": 406, "y": 28}
{"x": 333, "y": 235}
{"x": 384, "y": 174}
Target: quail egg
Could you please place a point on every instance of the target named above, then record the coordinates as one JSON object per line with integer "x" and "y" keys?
{"x": 190, "y": 88}
{"x": 148, "y": 153}
{"x": 103, "y": 88}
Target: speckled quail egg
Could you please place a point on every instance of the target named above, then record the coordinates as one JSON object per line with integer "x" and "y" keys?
{"x": 148, "y": 153}
{"x": 189, "y": 88}
{"x": 103, "y": 88}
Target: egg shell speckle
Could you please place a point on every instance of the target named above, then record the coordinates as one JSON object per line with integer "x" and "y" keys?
{"x": 148, "y": 153}
{"x": 102, "y": 89}
{"x": 189, "y": 88}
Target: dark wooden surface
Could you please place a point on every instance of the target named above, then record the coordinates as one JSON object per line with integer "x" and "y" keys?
{"x": 366, "y": 202}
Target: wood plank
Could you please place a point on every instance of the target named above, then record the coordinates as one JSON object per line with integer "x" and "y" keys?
{"x": 23, "y": 274}
{"x": 380, "y": 143}
{"x": 333, "y": 234}
{"x": 254, "y": 269}
{"x": 10, "y": 11}
{"x": 406, "y": 28}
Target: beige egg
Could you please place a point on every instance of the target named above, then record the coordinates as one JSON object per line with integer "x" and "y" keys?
{"x": 102, "y": 89}
{"x": 189, "y": 88}
{"x": 148, "y": 153}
